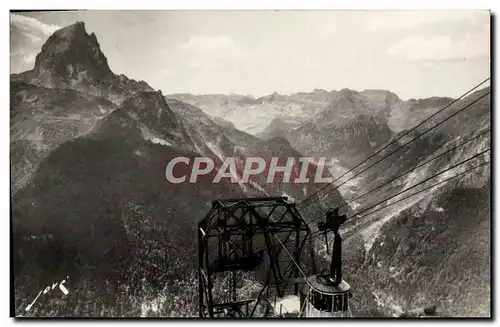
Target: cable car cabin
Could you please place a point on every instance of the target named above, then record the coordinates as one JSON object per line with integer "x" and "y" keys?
{"x": 320, "y": 299}
{"x": 328, "y": 295}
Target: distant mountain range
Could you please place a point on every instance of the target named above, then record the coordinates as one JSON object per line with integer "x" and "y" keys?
{"x": 275, "y": 112}
{"x": 90, "y": 199}
{"x": 315, "y": 122}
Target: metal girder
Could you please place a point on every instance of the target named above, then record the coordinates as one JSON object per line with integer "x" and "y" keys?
{"x": 231, "y": 235}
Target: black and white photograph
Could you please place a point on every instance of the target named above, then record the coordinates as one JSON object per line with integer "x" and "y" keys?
{"x": 242, "y": 164}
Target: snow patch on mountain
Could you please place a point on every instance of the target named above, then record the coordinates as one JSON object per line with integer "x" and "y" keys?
{"x": 157, "y": 140}
{"x": 139, "y": 153}
{"x": 149, "y": 136}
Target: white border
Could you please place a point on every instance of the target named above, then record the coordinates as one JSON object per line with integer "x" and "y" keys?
{"x": 189, "y": 4}
{"x": 258, "y": 4}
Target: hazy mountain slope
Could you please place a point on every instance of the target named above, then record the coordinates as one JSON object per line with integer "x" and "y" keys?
{"x": 345, "y": 125}
{"x": 350, "y": 142}
{"x": 246, "y": 113}
{"x": 227, "y": 141}
{"x": 41, "y": 119}
{"x": 259, "y": 114}
{"x": 279, "y": 127}
{"x": 408, "y": 255}
{"x": 409, "y": 113}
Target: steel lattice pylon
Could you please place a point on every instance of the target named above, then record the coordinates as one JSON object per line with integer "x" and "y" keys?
{"x": 242, "y": 236}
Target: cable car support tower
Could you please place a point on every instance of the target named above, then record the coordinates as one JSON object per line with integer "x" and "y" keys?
{"x": 240, "y": 240}
{"x": 266, "y": 242}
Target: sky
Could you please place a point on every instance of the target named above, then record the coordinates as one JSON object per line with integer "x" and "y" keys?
{"x": 415, "y": 54}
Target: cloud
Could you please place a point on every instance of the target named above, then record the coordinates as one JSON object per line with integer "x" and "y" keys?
{"x": 29, "y": 58}
{"x": 398, "y": 20}
{"x": 421, "y": 48}
{"x": 29, "y": 24}
{"x": 34, "y": 38}
{"x": 27, "y": 36}
{"x": 200, "y": 47}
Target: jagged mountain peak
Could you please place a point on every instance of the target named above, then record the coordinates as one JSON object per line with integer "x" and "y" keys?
{"x": 72, "y": 59}
{"x": 71, "y": 51}
{"x": 72, "y": 31}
